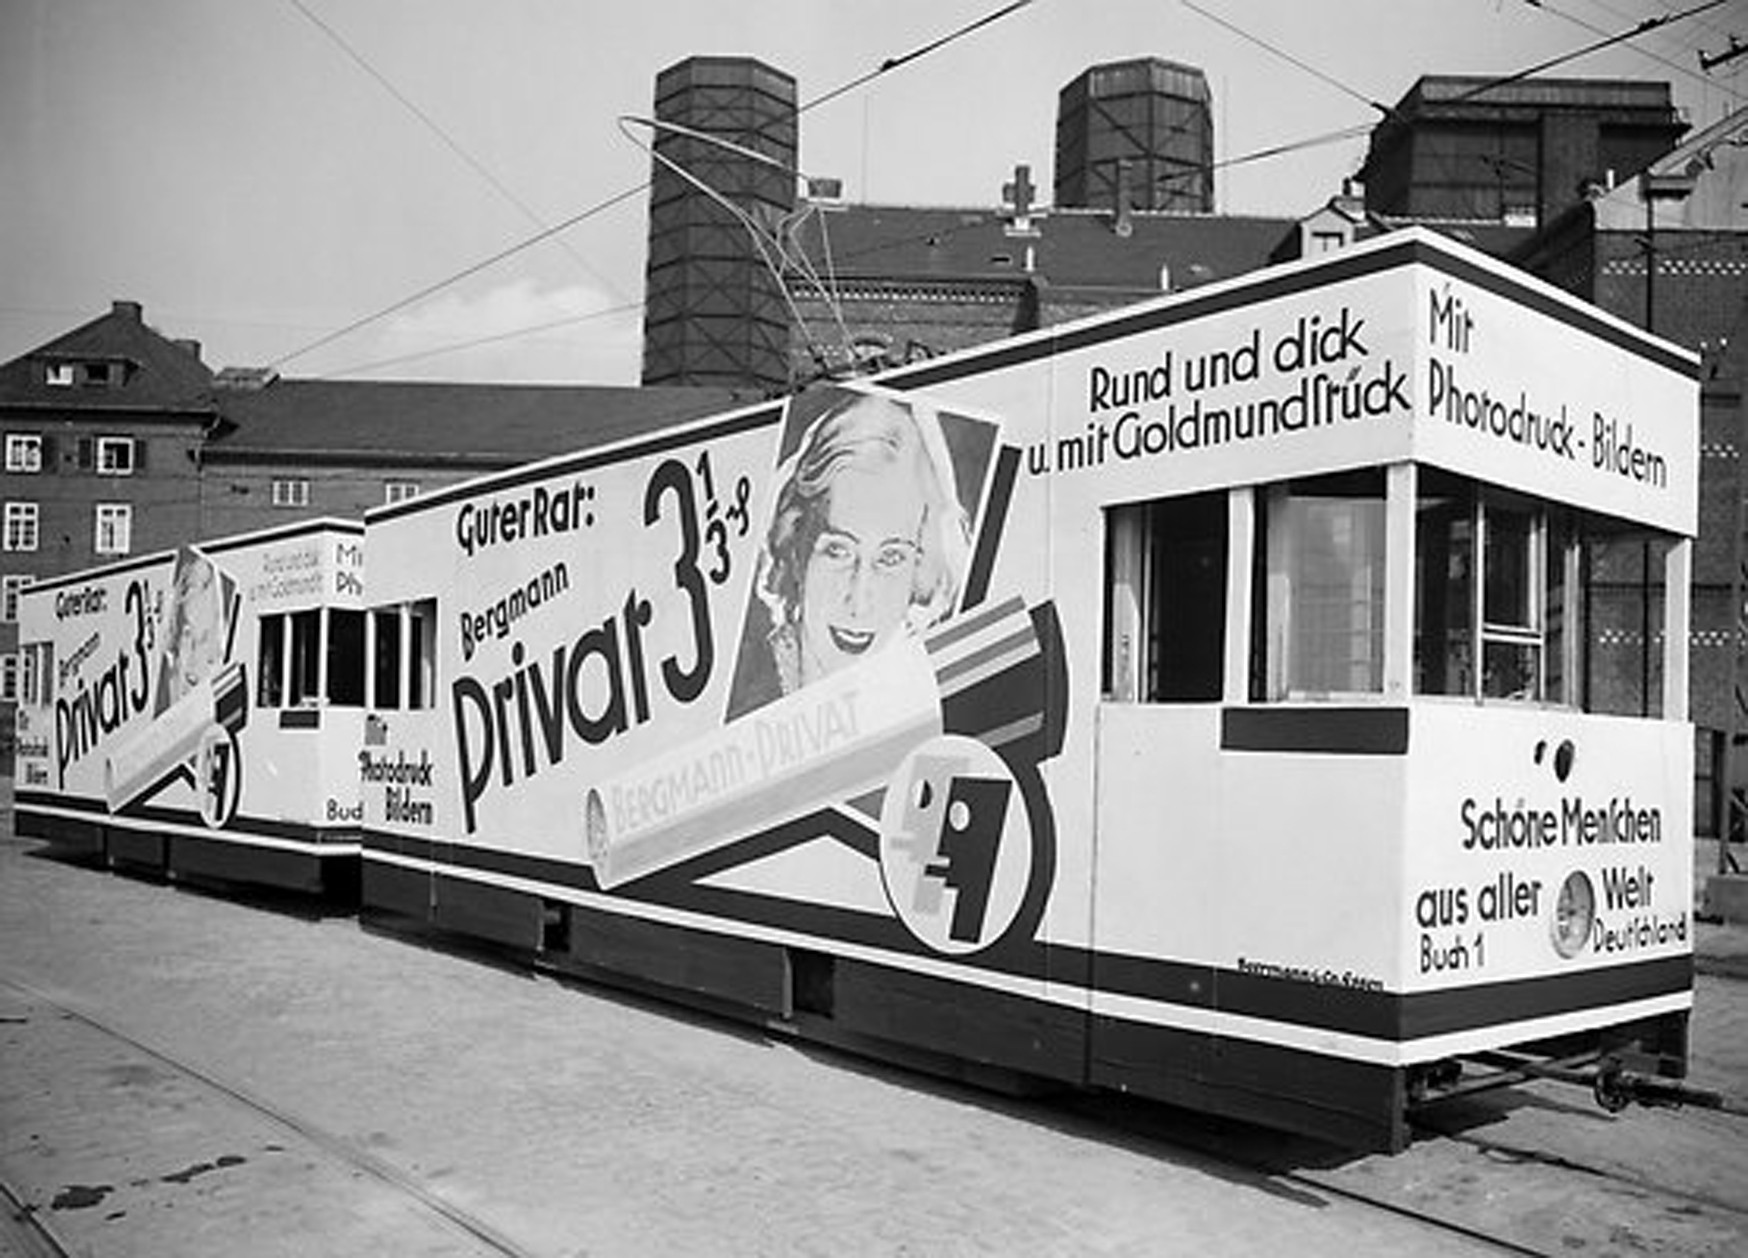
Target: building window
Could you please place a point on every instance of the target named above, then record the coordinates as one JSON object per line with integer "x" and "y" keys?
{"x": 10, "y": 585}
{"x": 23, "y": 452}
{"x": 8, "y": 679}
{"x": 35, "y": 667}
{"x": 115, "y": 456}
{"x": 98, "y": 375}
{"x": 18, "y": 532}
{"x": 399, "y": 490}
{"x": 115, "y": 527}
{"x": 291, "y": 493}
{"x": 59, "y": 375}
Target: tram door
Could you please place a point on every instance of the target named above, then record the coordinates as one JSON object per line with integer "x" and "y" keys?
{"x": 1158, "y": 730}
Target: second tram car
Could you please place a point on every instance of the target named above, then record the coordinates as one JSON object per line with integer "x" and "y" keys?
{"x": 198, "y": 712}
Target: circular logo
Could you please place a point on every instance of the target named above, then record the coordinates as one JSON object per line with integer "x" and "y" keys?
{"x": 955, "y": 844}
{"x": 218, "y": 776}
{"x": 1574, "y": 911}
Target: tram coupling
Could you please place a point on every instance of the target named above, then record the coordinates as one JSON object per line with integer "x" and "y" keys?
{"x": 1615, "y": 1087}
{"x": 1613, "y": 1081}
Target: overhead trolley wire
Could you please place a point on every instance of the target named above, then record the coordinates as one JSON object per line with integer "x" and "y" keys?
{"x": 885, "y": 67}
{"x": 1288, "y": 57}
{"x": 1331, "y": 137}
{"x": 449, "y": 141}
{"x": 1685, "y": 71}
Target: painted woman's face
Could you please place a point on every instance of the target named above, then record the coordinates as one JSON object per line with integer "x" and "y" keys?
{"x": 862, "y": 570}
{"x": 197, "y": 644}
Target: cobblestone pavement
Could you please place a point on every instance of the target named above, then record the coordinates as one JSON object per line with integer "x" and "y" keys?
{"x": 185, "y": 1075}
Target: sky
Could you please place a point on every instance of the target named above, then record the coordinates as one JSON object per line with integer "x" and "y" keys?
{"x": 279, "y": 179}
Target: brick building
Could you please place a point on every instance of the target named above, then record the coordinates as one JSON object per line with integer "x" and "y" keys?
{"x": 1668, "y": 250}
{"x": 1458, "y": 146}
{"x": 102, "y": 429}
{"x": 293, "y": 449}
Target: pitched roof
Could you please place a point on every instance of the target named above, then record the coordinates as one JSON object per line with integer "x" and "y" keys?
{"x": 1072, "y": 248}
{"x": 158, "y": 373}
{"x": 423, "y": 422}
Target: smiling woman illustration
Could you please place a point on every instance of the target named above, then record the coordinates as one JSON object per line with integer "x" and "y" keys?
{"x": 868, "y": 541}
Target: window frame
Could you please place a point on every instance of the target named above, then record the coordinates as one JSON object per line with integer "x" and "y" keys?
{"x": 12, "y": 585}
{"x": 103, "y": 456}
{"x": 24, "y": 452}
{"x": 119, "y": 517}
{"x": 26, "y": 517}
{"x": 291, "y": 491}
{"x": 1285, "y": 591}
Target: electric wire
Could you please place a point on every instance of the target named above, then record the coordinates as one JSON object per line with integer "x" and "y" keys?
{"x": 492, "y": 338}
{"x": 438, "y": 285}
{"x": 773, "y": 245}
{"x": 1668, "y": 62}
{"x": 891, "y": 63}
{"x": 450, "y": 142}
{"x": 1330, "y": 137}
{"x": 1288, "y": 57}
{"x": 1643, "y": 27}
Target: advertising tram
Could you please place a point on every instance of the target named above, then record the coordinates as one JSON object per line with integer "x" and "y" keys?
{"x": 1259, "y": 699}
{"x": 197, "y": 713}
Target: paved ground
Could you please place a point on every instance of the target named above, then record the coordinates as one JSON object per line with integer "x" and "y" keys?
{"x": 188, "y": 1075}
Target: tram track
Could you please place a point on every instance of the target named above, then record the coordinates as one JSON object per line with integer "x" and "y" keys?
{"x": 23, "y": 1231}
{"x": 30, "y": 1232}
{"x": 1520, "y": 1154}
{"x": 28, "y": 1229}
{"x": 1416, "y": 1185}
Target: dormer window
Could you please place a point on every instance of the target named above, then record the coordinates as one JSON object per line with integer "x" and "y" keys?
{"x": 90, "y": 373}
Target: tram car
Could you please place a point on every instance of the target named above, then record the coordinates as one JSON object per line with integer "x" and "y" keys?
{"x": 197, "y": 713}
{"x": 1262, "y": 699}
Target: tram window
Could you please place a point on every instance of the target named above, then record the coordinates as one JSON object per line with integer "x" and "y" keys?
{"x": 306, "y": 632}
{"x": 1165, "y": 599}
{"x": 1623, "y": 598}
{"x": 422, "y": 654}
{"x": 1549, "y": 629}
{"x": 1323, "y": 611}
{"x": 386, "y": 665}
{"x": 270, "y": 662}
{"x": 1486, "y": 560}
{"x": 345, "y": 657}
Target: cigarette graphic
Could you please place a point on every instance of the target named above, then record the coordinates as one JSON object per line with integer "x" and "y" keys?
{"x": 140, "y": 764}
{"x": 838, "y": 737}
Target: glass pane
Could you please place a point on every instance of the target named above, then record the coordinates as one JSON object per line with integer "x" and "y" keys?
{"x": 1335, "y": 595}
{"x": 345, "y": 657}
{"x": 1510, "y": 670}
{"x": 306, "y": 633}
{"x": 1508, "y": 595}
{"x": 1561, "y": 615}
{"x": 270, "y": 666}
{"x": 388, "y": 659}
{"x": 1444, "y": 593}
